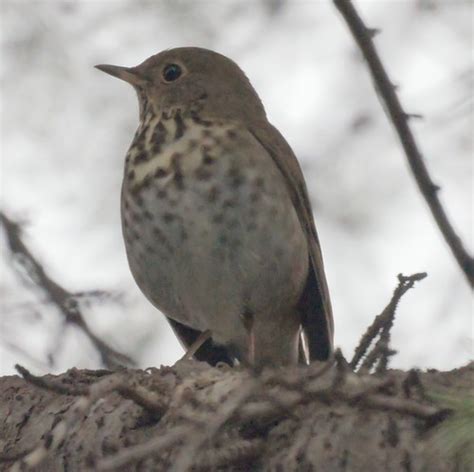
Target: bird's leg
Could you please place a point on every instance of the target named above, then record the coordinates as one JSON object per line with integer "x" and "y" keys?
{"x": 303, "y": 354}
{"x": 200, "y": 340}
{"x": 248, "y": 320}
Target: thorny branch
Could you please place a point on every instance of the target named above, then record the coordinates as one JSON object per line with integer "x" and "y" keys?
{"x": 381, "y": 327}
{"x": 387, "y": 93}
{"x": 64, "y": 300}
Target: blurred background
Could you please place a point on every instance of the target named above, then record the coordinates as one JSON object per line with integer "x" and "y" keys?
{"x": 66, "y": 127}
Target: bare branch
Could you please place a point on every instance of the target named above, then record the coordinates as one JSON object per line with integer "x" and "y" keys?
{"x": 128, "y": 388}
{"x": 198, "y": 437}
{"x": 48, "y": 384}
{"x": 150, "y": 448}
{"x": 383, "y": 322}
{"x": 379, "y": 356}
{"x": 238, "y": 451}
{"x": 64, "y": 300}
{"x": 387, "y": 93}
{"x": 406, "y": 406}
{"x": 192, "y": 415}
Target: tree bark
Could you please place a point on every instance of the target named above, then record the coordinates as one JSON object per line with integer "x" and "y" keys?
{"x": 194, "y": 417}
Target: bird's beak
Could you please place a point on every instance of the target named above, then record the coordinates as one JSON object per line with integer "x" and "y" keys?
{"x": 128, "y": 74}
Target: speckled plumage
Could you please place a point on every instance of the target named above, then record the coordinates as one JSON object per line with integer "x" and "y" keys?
{"x": 216, "y": 221}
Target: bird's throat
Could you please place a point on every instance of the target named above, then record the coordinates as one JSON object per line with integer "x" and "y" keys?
{"x": 164, "y": 147}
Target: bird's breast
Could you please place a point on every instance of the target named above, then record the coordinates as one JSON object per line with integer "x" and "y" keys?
{"x": 208, "y": 223}
{"x": 164, "y": 150}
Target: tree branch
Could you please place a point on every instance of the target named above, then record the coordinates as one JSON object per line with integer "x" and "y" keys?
{"x": 386, "y": 91}
{"x": 208, "y": 418}
{"x": 64, "y": 300}
{"x": 382, "y": 325}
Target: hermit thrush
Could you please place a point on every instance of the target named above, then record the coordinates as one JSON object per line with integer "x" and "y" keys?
{"x": 216, "y": 218}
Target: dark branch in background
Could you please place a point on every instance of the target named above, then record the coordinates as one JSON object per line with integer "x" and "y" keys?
{"x": 381, "y": 327}
{"x": 61, "y": 298}
{"x": 386, "y": 90}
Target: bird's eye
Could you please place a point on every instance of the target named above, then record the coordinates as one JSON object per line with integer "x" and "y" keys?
{"x": 172, "y": 72}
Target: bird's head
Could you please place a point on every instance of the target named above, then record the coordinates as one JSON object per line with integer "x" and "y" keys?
{"x": 192, "y": 79}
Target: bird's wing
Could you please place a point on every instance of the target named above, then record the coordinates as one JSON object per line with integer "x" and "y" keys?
{"x": 315, "y": 304}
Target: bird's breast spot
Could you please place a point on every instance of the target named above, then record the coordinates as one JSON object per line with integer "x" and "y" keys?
{"x": 189, "y": 148}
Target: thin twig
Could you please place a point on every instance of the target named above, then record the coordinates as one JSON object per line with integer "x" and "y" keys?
{"x": 59, "y": 296}
{"x": 142, "y": 396}
{"x": 48, "y": 384}
{"x": 384, "y": 321}
{"x": 387, "y": 93}
{"x": 413, "y": 382}
{"x": 150, "y": 448}
{"x": 405, "y": 406}
{"x": 238, "y": 451}
{"x": 383, "y": 348}
{"x": 147, "y": 399}
{"x": 198, "y": 437}
{"x": 379, "y": 352}
{"x": 193, "y": 436}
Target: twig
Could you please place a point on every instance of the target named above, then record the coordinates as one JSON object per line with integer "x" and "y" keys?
{"x": 387, "y": 93}
{"x": 341, "y": 369}
{"x": 48, "y": 384}
{"x": 196, "y": 438}
{"x": 364, "y": 395}
{"x": 150, "y": 448}
{"x": 142, "y": 396}
{"x": 379, "y": 356}
{"x": 405, "y": 406}
{"x": 192, "y": 435}
{"x": 59, "y": 296}
{"x": 196, "y": 345}
{"x": 383, "y": 348}
{"x": 384, "y": 321}
{"x": 413, "y": 382}
{"x": 240, "y": 450}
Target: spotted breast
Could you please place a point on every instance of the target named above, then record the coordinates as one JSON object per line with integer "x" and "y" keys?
{"x": 210, "y": 230}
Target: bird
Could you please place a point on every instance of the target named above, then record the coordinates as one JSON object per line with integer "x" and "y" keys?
{"x": 217, "y": 222}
